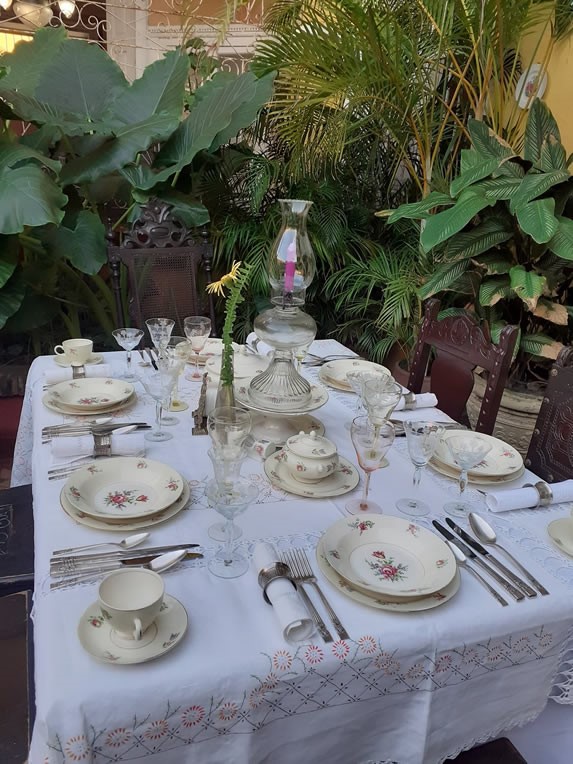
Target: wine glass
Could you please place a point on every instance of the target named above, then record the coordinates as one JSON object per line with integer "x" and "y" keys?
{"x": 177, "y": 349}
{"x": 229, "y": 427}
{"x": 160, "y": 331}
{"x": 356, "y": 380}
{"x": 380, "y": 397}
{"x": 467, "y": 452}
{"x": 227, "y": 472}
{"x": 128, "y": 339}
{"x": 371, "y": 443}
{"x": 160, "y": 385}
{"x": 197, "y": 330}
{"x": 230, "y": 502}
{"x": 423, "y": 439}
{"x": 299, "y": 354}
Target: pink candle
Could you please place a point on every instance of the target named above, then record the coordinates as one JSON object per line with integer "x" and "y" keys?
{"x": 290, "y": 267}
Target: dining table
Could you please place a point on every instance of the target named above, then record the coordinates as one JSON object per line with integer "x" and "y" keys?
{"x": 406, "y": 688}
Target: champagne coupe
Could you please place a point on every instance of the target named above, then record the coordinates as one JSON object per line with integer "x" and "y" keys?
{"x": 160, "y": 385}
{"x": 229, "y": 427}
{"x": 467, "y": 452}
{"x": 423, "y": 439}
{"x": 197, "y": 330}
{"x": 227, "y": 473}
{"x": 128, "y": 339}
{"x": 371, "y": 443}
{"x": 230, "y": 502}
{"x": 160, "y": 331}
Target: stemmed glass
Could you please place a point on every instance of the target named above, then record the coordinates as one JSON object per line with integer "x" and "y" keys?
{"x": 197, "y": 330}
{"x": 230, "y": 501}
{"x": 356, "y": 380}
{"x": 229, "y": 427}
{"x": 160, "y": 385}
{"x": 128, "y": 339}
{"x": 177, "y": 350}
{"x": 160, "y": 332}
{"x": 227, "y": 473}
{"x": 299, "y": 354}
{"x": 467, "y": 452}
{"x": 380, "y": 397}
{"x": 371, "y": 443}
{"x": 423, "y": 439}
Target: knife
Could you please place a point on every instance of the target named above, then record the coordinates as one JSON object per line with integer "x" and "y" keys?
{"x": 474, "y": 543}
{"x": 515, "y": 593}
{"x": 93, "y": 565}
{"x": 151, "y": 358}
{"x": 119, "y": 555}
{"x": 462, "y": 561}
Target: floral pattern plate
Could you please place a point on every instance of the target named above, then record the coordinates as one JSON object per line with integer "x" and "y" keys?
{"x": 344, "y": 479}
{"x": 388, "y": 555}
{"x": 406, "y": 605}
{"x": 333, "y": 373}
{"x": 244, "y": 365}
{"x": 454, "y": 473}
{"x": 103, "y": 643}
{"x": 61, "y": 360}
{"x": 561, "y": 534}
{"x": 126, "y": 525}
{"x": 319, "y": 397}
{"x": 501, "y": 461}
{"x": 54, "y": 405}
{"x": 91, "y": 394}
{"x": 123, "y": 487}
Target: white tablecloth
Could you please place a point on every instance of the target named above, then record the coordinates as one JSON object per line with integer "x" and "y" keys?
{"x": 405, "y": 688}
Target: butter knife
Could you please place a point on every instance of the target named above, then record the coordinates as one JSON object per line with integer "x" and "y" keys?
{"x": 476, "y": 546}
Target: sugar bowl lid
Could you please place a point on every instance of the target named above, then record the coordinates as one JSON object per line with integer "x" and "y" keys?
{"x": 311, "y": 445}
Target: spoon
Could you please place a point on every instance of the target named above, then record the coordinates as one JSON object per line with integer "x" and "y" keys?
{"x": 487, "y": 535}
{"x": 127, "y": 543}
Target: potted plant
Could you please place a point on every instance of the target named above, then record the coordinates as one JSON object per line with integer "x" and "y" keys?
{"x": 502, "y": 239}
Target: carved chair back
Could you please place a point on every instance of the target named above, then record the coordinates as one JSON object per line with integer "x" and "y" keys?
{"x": 167, "y": 269}
{"x": 461, "y": 345}
{"x": 550, "y": 453}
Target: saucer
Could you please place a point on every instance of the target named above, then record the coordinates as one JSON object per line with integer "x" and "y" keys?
{"x": 345, "y": 478}
{"x": 561, "y": 533}
{"x": 105, "y": 644}
{"x": 319, "y": 396}
{"x": 92, "y": 360}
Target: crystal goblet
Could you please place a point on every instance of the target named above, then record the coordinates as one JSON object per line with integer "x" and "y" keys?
{"x": 197, "y": 331}
{"x": 467, "y": 452}
{"x": 422, "y": 439}
{"x": 177, "y": 349}
{"x": 160, "y": 385}
{"x": 228, "y": 563}
{"x": 356, "y": 380}
{"x": 371, "y": 443}
{"x": 227, "y": 472}
{"x": 380, "y": 397}
{"x": 229, "y": 427}
{"x": 128, "y": 339}
{"x": 160, "y": 331}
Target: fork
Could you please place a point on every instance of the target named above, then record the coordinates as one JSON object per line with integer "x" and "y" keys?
{"x": 299, "y": 564}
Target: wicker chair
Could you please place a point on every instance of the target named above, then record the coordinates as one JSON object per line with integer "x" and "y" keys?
{"x": 167, "y": 269}
{"x": 550, "y": 453}
{"x": 461, "y": 345}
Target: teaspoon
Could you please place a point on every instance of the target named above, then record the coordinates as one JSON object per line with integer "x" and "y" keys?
{"x": 127, "y": 543}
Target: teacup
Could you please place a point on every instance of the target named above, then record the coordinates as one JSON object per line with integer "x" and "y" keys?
{"x": 130, "y": 600}
{"x": 75, "y": 351}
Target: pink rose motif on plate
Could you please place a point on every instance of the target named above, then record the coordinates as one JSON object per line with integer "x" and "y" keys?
{"x": 441, "y": 563}
{"x": 141, "y": 465}
{"x": 413, "y": 529}
{"x": 385, "y": 568}
{"x": 361, "y": 525}
{"x": 122, "y": 499}
{"x": 172, "y": 485}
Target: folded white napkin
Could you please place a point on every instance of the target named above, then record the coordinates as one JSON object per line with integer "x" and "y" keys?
{"x": 289, "y": 609}
{"x": 522, "y": 498}
{"x": 53, "y": 376}
{"x": 258, "y": 345}
{"x": 128, "y": 444}
{"x": 422, "y": 401}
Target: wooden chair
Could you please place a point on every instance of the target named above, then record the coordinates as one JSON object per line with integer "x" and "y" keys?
{"x": 461, "y": 345}
{"x": 550, "y": 453}
{"x": 167, "y": 269}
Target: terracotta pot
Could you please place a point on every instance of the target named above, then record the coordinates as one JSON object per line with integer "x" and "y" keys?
{"x": 516, "y": 417}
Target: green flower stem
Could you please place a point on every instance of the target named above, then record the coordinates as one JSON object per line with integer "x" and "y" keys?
{"x": 234, "y": 299}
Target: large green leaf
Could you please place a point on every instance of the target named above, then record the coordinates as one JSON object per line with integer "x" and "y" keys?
{"x": 486, "y": 142}
{"x": 494, "y": 289}
{"x": 247, "y": 112}
{"x": 445, "y": 224}
{"x": 541, "y": 345}
{"x": 9, "y": 247}
{"x": 47, "y": 114}
{"x": 34, "y": 311}
{"x": 540, "y": 125}
{"x": 28, "y": 196}
{"x": 442, "y": 278}
{"x": 190, "y": 212}
{"x": 120, "y": 150}
{"x": 495, "y": 263}
{"x": 537, "y": 219}
{"x": 489, "y": 233}
{"x": 475, "y": 173}
{"x": 29, "y": 59}
{"x": 552, "y": 311}
{"x": 535, "y": 184}
{"x": 13, "y": 154}
{"x": 527, "y": 285}
{"x": 84, "y": 245}
{"x": 562, "y": 242}
{"x": 41, "y": 139}
{"x": 11, "y": 296}
{"x": 417, "y": 210}
{"x": 553, "y": 155}
{"x": 499, "y": 188}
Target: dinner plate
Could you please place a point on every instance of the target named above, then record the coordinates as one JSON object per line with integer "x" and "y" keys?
{"x": 213, "y": 347}
{"x": 319, "y": 396}
{"x": 334, "y": 373}
{"x": 244, "y": 365}
{"x": 405, "y": 605}
{"x": 561, "y": 533}
{"x": 502, "y": 460}
{"x": 61, "y": 360}
{"x": 388, "y": 555}
{"x": 277, "y": 430}
{"x": 123, "y": 526}
{"x": 454, "y": 473}
{"x": 53, "y": 405}
{"x": 105, "y": 644}
{"x": 91, "y": 393}
{"x": 123, "y": 487}
{"x": 345, "y": 478}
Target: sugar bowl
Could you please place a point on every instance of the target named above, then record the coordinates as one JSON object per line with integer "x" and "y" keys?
{"x": 310, "y": 457}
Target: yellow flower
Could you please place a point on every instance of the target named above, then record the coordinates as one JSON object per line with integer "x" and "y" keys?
{"x": 217, "y": 287}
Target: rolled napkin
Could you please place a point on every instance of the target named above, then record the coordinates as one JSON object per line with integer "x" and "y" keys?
{"x": 258, "y": 345}
{"x": 289, "y": 609}
{"x": 422, "y": 401}
{"x": 525, "y": 498}
{"x": 53, "y": 376}
{"x": 129, "y": 444}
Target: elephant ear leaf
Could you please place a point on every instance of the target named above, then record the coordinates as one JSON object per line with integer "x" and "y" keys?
{"x": 11, "y": 296}
{"x": 28, "y": 196}
{"x": 29, "y": 60}
{"x": 83, "y": 245}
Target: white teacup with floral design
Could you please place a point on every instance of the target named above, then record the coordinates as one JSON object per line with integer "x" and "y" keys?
{"x": 130, "y": 600}
{"x": 77, "y": 352}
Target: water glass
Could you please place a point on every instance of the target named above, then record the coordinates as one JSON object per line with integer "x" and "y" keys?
{"x": 160, "y": 385}
{"x": 160, "y": 332}
{"x": 423, "y": 438}
{"x": 197, "y": 331}
{"x": 371, "y": 443}
{"x": 356, "y": 380}
{"x": 467, "y": 452}
{"x": 227, "y": 473}
{"x": 178, "y": 350}
{"x": 230, "y": 502}
{"x": 229, "y": 427}
{"x": 128, "y": 339}
{"x": 380, "y": 397}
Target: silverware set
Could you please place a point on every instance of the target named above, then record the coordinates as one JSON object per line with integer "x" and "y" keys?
{"x": 316, "y": 360}
{"x": 152, "y": 360}
{"x": 91, "y": 427}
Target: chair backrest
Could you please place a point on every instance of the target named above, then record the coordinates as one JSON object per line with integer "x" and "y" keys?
{"x": 550, "y": 453}
{"x": 167, "y": 269}
{"x": 460, "y": 346}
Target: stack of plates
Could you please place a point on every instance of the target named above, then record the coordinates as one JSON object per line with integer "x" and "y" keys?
{"x": 100, "y": 395}
{"x": 334, "y": 373}
{"x": 245, "y": 365}
{"x": 318, "y": 397}
{"x": 124, "y": 493}
{"x": 501, "y": 465}
{"x": 388, "y": 563}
